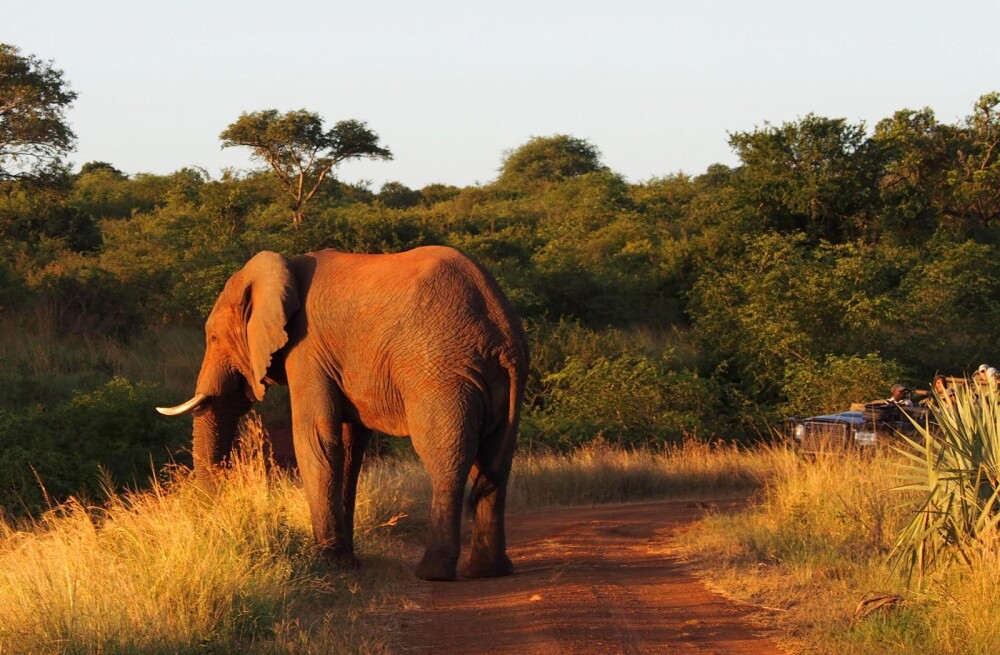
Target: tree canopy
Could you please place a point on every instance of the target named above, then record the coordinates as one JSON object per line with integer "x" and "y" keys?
{"x": 816, "y": 175}
{"x": 549, "y": 159}
{"x": 33, "y": 130}
{"x": 299, "y": 150}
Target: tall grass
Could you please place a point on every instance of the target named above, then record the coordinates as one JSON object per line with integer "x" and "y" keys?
{"x": 169, "y": 570}
{"x": 815, "y": 542}
{"x": 599, "y": 473}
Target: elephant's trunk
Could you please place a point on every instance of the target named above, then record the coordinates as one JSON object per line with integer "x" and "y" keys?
{"x": 214, "y": 432}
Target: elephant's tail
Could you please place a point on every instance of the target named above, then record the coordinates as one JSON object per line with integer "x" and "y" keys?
{"x": 496, "y": 448}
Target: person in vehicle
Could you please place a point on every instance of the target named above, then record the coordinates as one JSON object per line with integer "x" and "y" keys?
{"x": 941, "y": 390}
{"x": 899, "y": 396}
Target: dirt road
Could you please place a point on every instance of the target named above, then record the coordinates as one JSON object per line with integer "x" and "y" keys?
{"x": 597, "y": 580}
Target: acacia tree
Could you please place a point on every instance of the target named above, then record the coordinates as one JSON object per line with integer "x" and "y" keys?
{"x": 33, "y": 130}
{"x": 298, "y": 149}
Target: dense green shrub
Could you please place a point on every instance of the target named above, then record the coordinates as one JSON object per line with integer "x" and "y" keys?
{"x": 63, "y": 449}
{"x": 29, "y": 213}
{"x": 548, "y": 159}
{"x": 12, "y": 287}
{"x": 396, "y": 195}
{"x": 628, "y": 400}
{"x": 835, "y": 382}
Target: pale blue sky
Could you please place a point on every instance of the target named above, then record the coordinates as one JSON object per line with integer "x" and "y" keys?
{"x": 450, "y": 85}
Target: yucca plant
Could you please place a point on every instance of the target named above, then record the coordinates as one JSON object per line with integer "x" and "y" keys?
{"x": 954, "y": 463}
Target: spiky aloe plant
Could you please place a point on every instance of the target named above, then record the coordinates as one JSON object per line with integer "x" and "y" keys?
{"x": 955, "y": 464}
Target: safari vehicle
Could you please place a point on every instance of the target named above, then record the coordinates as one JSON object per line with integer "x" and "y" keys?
{"x": 864, "y": 426}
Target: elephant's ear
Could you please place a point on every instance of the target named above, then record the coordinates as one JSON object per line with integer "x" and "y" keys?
{"x": 272, "y": 300}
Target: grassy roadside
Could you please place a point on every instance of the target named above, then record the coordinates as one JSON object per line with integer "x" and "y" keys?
{"x": 599, "y": 473}
{"x": 166, "y": 571}
{"x": 814, "y": 543}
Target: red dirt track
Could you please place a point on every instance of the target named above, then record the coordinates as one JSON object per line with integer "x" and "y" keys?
{"x": 600, "y": 580}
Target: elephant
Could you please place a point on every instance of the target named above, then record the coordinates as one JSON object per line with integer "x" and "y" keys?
{"x": 420, "y": 344}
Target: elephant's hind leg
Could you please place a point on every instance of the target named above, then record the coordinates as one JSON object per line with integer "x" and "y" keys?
{"x": 487, "y": 500}
{"x": 446, "y": 447}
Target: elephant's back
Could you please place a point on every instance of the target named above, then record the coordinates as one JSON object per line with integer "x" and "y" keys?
{"x": 414, "y": 281}
{"x": 426, "y": 308}
{"x": 401, "y": 266}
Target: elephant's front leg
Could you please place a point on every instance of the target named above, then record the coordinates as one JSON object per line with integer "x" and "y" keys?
{"x": 319, "y": 448}
{"x": 356, "y": 440}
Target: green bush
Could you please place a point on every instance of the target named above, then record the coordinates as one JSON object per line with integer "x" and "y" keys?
{"x": 630, "y": 400}
{"x": 12, "y": 288}
{"x": 65, "y": 447}
{"x": 194, "y": 295}
{"x": 831, "y": 385}
{"x": 553, "y": 343}
{"x": 30, "y": 212}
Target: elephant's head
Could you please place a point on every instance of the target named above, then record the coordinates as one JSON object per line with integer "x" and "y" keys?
{"x": 244, "y": 331}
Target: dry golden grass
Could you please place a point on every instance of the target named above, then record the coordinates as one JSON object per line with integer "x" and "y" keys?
{"x": 40, "y": 364}
{"x": 599, "y": 473}
{"x": 171, "y": 571}
{"x": 815, "y": 541}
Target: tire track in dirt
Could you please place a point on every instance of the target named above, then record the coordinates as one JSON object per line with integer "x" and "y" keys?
{"x": 596, "y": 580}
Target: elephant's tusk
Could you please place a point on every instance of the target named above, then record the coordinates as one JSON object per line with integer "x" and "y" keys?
{"x": 184, "y": 408}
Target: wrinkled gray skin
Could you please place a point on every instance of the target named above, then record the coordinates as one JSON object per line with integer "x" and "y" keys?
{"x": 420, "y": 344}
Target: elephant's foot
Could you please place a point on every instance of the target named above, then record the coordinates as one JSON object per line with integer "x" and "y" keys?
{"x": 342, "y": 559}
{"x": 487, "y": 567}
{"x": 437, "y": 568}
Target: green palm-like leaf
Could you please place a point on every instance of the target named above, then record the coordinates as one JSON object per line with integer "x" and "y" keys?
{"x": 955, "y": 464}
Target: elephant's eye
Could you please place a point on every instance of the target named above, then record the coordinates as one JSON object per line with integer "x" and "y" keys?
{"x": 213, "y": 338}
